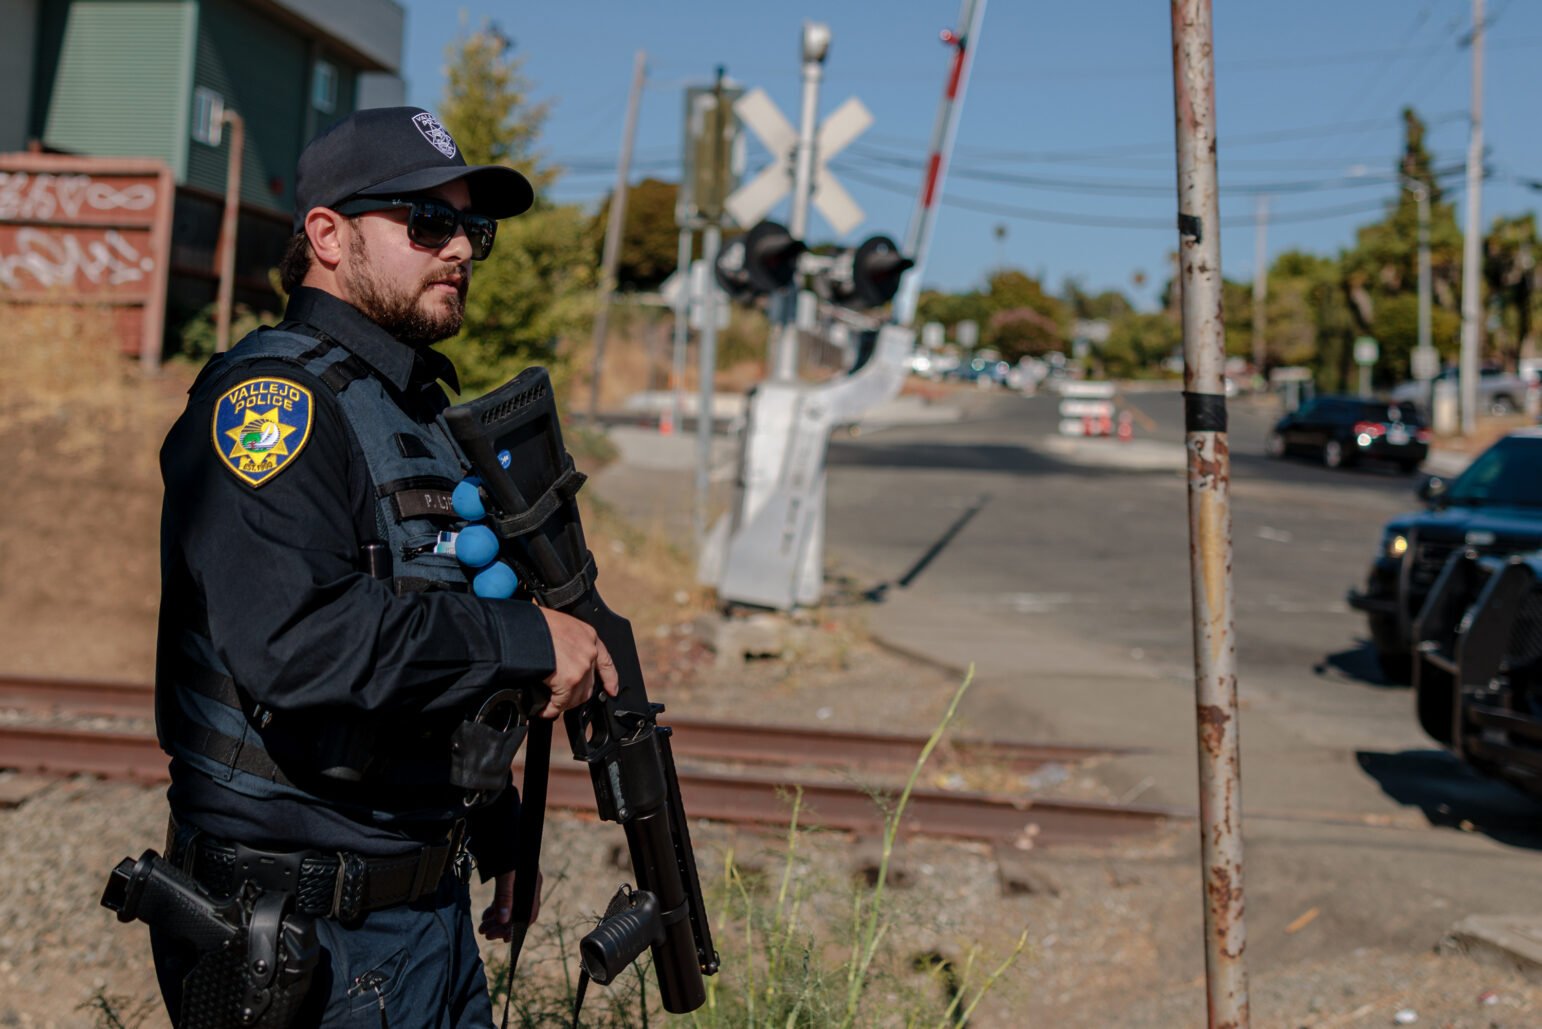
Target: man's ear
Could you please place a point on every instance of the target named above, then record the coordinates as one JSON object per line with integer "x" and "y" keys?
{"x": 325, "y": 228}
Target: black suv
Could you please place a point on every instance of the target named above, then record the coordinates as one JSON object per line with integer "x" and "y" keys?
{"x": 1492, "y": 508}
{"x": 1344, "y": 430}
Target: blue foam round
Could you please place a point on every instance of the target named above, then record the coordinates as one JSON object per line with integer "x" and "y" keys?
{"x": 476, "y": 546}
{"x": 467, "y": 501}
{"x": 497, "y": 581}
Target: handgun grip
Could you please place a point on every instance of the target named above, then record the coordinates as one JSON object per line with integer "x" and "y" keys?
{"x": 161, "y": 895}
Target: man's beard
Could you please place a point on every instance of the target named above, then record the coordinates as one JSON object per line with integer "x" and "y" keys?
{"x": 399, "y": 311}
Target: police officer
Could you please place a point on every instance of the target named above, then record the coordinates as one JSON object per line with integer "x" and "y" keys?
{"x": 320, "y": 651}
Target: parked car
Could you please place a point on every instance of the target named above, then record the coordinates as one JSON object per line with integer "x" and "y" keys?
{"x": 1499, "y": 392}
{"x": 981, "y": 371}
{"x": 1345, "y": 430}
{"x": 1477, "y": 670}
{"x": 1492, "y": 508}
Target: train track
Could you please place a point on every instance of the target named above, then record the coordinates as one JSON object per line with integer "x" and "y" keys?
{"x": 759, "y": 796}
{"x": 707, "y": 739}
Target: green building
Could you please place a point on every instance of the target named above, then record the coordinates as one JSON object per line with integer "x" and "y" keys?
{"x": 152, "y": 78}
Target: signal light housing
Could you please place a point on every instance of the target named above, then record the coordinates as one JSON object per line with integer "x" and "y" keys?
{"x": 868, "y": 276}
{"x": 763, "y": 260}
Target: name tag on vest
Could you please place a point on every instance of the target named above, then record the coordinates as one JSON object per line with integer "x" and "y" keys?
{"x": 420, "y": 503}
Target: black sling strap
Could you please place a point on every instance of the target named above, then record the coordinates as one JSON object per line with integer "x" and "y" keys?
{"x": 527, "y": 858}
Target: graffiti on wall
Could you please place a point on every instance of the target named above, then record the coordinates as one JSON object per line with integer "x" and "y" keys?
{"x": 63, "y": 260}
{"x": 26, "y": 196}
{"x": 55, "y": 234}
{"x": 82, "y": 230}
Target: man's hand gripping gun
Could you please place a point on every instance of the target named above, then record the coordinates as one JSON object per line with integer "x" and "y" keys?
{"x": 512, "y": 440}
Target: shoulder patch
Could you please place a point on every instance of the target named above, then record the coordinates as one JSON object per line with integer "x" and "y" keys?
{"x": 261, "y": 426}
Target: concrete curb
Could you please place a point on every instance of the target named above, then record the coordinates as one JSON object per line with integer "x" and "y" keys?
{"x": 1511, "y": 941}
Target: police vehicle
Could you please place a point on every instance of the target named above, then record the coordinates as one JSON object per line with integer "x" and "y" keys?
{"x": 1492, "y": 508}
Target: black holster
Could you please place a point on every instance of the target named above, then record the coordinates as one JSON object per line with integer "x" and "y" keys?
{"x": 257, "y": 955}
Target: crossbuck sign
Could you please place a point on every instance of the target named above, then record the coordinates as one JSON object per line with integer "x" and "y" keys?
{"x": 754, "y": 199}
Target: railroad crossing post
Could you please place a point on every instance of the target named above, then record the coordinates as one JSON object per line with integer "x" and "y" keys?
{"x": 1209, "y": 475}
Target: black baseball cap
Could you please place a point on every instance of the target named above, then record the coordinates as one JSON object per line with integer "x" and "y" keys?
{"x": 396, "y": 151}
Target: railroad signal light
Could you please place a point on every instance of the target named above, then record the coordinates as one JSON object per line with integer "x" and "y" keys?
{"x": 763, "y": 260}
{"x": 868, "y": 276}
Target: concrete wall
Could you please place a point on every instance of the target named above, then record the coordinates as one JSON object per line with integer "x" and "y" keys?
{"x": 18, "y": 45}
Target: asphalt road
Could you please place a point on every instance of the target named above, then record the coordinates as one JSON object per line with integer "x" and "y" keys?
{"x": 1061, "y": 568}
{"x": 1101, "y": 551}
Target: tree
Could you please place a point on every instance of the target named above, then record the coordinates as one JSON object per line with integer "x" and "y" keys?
{"x": 1384, "y": 260}
{"x": 650, "y": 241}
{"x": 1138, "y": 342}
{"x": 1022, "y": 332}
{"x": 952, "y": 308}
{"x": 538, "y": 284}
{"x": 1307, "y": 315}
{"x": 1015, "y": 315}
{"x": 1108, "y": 305}
{"x": 1510, "y": 269}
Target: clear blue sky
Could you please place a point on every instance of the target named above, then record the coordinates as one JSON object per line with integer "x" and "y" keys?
{"x": 1067, "y": 132}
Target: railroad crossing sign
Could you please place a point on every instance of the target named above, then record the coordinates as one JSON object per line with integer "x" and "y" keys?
{"x": 754, "y": 199}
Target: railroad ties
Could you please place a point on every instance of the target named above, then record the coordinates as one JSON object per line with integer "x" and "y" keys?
{"x": 731, "y": 772}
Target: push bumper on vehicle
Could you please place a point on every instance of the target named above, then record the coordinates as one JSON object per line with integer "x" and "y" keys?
{"x": 1371, "y": 604}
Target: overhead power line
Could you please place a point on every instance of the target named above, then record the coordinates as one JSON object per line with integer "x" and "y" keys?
{"x": 1099, "y": 221}
{"x": 1164, "y": 146}
{"x": 1107, "y": 187}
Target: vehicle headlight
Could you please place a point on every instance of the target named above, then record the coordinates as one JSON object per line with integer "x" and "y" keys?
{"x": 1396, "y": 544}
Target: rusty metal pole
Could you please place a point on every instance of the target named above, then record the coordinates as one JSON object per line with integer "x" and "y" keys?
{"x": 1209, "y": 474}
{"x": 227, "y": 243}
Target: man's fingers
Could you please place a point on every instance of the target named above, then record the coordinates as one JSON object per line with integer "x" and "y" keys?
{"x": 609, "y": 680}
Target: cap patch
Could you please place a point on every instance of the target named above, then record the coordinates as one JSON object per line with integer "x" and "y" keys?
{"x": 435, "y": 133}
{"x": 261, "y": 426}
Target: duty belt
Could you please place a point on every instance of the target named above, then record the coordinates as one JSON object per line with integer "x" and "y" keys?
{"x": 338, "y": 885}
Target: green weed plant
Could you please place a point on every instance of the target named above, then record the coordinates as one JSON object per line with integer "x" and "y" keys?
{"x": 782, "y": 967}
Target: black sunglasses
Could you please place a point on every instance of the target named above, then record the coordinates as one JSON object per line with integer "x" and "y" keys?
{"x": 432, "y": 223}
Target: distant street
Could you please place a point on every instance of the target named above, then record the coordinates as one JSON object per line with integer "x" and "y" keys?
{"x": 1100, "y": 552}
{"x": 1059, "y": 569}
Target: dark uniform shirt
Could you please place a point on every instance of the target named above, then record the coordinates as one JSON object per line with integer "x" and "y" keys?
{"x": 273, "y": 577}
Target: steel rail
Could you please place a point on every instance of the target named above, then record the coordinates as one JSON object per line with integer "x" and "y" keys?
{"x": 58, "y": 750}
{"x": 78, "y": 696}
{"x": 715, "y": 796}
{"x": 695, "y": 737}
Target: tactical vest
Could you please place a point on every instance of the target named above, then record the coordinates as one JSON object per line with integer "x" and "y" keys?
{"x": 206, "y": 720}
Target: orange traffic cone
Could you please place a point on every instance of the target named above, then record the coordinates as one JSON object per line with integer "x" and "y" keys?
{"x": 1106, "y": 426}
{"x": 1126, "y": 427}
{"x": 666, "y": 422}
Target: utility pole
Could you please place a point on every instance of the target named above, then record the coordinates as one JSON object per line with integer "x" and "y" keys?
{"x": 682, "y": 336}
{"x": 1472, "y": 306}
{"x": 228, "y": 223}
{"x": 612, "y": 254}
{"x": 711, "y": 240}
{"x": 816, "y": 46}
{"x": 1209, "y": 475}
{"x": 1260, "y": 282}
{"x": 1424, "y": 359}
